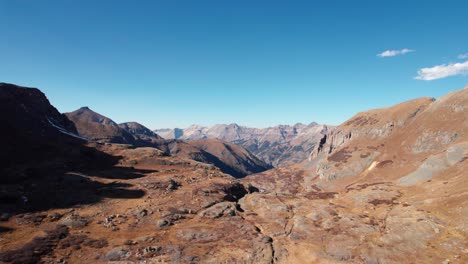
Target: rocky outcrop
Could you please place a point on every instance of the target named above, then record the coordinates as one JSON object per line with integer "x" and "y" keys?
{"x": 435, "y": 164}
{"x": 372, "y": 125}
{"x": 355, "y": 226}
{"x": 336, "y": 157}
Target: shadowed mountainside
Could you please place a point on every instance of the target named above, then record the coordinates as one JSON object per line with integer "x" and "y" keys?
{"x": 41, "y": 147}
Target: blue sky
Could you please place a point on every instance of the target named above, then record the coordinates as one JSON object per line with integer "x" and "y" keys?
{"x": 257, "y": 63}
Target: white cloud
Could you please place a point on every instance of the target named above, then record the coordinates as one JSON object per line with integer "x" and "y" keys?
{"x": 391, "y": 53}
{"x": 442, "y": 71}
{"x": 463, "y": 56}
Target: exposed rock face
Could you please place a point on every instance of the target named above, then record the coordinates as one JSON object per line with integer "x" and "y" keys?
{"x": 430, "y": 141}
{"x": 369, "y": 224}
{"x": 373, "y": 124}
{"x": 279, "y": 146}
{"x": 341, "y": 159}
{"x": 435, "y": 164}
{"x": 417, "y": 128}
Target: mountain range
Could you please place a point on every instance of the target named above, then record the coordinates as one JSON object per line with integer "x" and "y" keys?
{"x": 386, "y": 186}
{"x": 279, "y": 145}
{"x": 228, "y": 157}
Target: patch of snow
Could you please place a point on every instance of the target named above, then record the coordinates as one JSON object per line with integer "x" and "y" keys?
{"x": 64, "y": 131}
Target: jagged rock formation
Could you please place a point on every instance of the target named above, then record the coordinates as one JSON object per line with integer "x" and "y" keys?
{"x": 279, "y": 146}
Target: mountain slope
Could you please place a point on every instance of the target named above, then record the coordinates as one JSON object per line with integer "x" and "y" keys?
{"x": 138, "y": 129}
{"x": 388, "y": 185}
{"x": 240, "y": 160}
{"x": 98, "y": 127}
{"x": 33, "y": 131}
{"x": 142, "y": 135}
{"x": 279, "y": 145}
{"x": 233, "y": 160}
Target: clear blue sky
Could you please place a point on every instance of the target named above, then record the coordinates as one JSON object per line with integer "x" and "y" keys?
{"x": 257, "y": 63}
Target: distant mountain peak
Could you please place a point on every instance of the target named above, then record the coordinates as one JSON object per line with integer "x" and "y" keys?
{"x": 138, "y": 130}
{"x": 278, "y": 145}
{"x": 98, "y": 127}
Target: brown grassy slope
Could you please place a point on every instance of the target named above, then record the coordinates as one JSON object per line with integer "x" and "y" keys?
{"x": 397, "y": 180}
{"x": 98, "y": 127}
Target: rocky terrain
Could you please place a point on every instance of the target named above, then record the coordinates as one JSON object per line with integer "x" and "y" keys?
{"x": 387, "y": 186}
{"x": 279, "y": 146}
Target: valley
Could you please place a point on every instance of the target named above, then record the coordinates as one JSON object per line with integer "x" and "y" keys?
{"x": 386, "y": 186}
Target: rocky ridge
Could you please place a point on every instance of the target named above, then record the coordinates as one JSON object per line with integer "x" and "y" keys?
{"x": 279, "y": 146}
{"x": 229, "y": 158}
